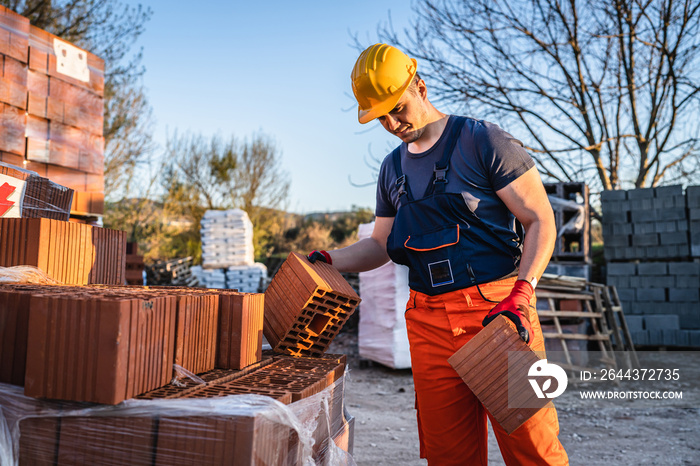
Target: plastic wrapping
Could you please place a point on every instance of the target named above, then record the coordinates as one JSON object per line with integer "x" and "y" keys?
{"x": 227, "y": 239}
{"x": 382, "y": 329}
{"x": 238, "y": 430}
{"x": 38, "y": 196}
{"x": 576, "y": 223}
{"x": 25, "y": 274}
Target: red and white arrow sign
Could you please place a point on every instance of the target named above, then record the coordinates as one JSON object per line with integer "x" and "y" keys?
{"x": 11, "y": 195}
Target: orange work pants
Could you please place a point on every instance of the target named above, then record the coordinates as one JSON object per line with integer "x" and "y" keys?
{"x": 451, "y": 421}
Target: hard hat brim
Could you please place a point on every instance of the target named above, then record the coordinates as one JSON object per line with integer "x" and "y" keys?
{"x": 382, "y": 108}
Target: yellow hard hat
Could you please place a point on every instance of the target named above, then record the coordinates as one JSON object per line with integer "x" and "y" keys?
{"x": 381, "y": 75}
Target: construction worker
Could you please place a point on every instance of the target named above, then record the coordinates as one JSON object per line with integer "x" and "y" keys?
{"x": 450, "y": 202}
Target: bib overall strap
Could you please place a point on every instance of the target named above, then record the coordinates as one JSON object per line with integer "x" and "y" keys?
{"x": 401, "y": 181}
{"x": 440, "y": 170}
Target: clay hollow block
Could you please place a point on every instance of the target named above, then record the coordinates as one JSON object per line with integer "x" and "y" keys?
{"x": 101, "y": 349}
{"x": 306, "y": 305}
{"x": 483, "y": 364}
{"x": 71, "y": 253}
{"x": 239, "y": 341}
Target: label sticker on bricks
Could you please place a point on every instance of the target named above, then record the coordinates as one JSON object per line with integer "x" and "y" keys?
{"x": 71, "y": 61}
{"x": 11, "y": 195}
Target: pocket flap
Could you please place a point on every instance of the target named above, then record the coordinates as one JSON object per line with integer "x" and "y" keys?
{"x": 437, "y": 239}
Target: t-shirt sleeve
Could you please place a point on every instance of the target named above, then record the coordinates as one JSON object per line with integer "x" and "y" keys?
{"x": 504, "y": 157}
{"x": 385, "y": 206}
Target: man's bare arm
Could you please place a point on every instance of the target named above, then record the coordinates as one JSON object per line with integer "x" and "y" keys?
{"x": 527, "y": 200}
{"x": 366, "y": 254}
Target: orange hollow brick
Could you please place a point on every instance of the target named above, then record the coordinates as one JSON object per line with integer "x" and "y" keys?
{"x": 484, "y": 362}
{"x": 306, "y": 305}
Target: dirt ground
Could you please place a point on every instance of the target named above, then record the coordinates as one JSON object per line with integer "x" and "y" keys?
{"x": 594, "y": 433}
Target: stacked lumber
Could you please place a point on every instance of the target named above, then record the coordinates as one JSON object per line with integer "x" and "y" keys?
{"x": 174, "y": 272}
{"x": 51, "y": 103}
{"x": 306, "y": 305}
{"x": 70, "y": 253}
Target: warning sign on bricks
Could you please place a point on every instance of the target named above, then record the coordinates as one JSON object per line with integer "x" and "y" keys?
{"x": 11, "y": 194}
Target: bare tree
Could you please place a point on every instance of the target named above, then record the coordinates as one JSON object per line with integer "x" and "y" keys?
{"x": 203, "y": 174}
{"x": 109, "y": 29}
{"x": 605, "y": 92}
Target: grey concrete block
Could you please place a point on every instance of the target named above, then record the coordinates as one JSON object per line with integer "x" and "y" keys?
{"x": 693, "y": 338}
{"x": 682, "y": 225}
{"x": 657, "y": 281}
{"x": 641, "y": 193}
{"x": 655, "y": 338}
{"x": 641, "y": 205}
{"x": 640, "y": 338}
{"x": 647, "y": 307}
{"x": 678, "y": 237}
{"x": 661, "y": 322}
{"x": 682, "y": 250}
{"x": 687, "y": 281}
{"x": 643, "y": 215}
{"x": 652, "y": 268}
{"x": 692, "y": 194}
{"x": 671, "y": 214}
{"x": 694, "y": 213}
{"x": 618, "y": 281}
{"x": 665, "y": 226}
{"x": 668, "y": 191}
{"x": 642, "y": 228}
{"x": 635, "y": 281}
{"x": 651, "y": 294}
{"x": 690, "y": 320}
{"x": 613, "y": 195}
{"x": 651, "y": 239}
{"x": 684, "y": 294}
{"x": 621, "y": 268}
{"x": 627, "y": 294}
{"x": 617, "y": 241}
{"x": 622, "y": 228}
{"x": 634, "y": 323}
{"x": 610, "y": 253}
{"x": 684, "y": 268}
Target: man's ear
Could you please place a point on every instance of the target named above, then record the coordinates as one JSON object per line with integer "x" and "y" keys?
{"x": 422, "y": 89}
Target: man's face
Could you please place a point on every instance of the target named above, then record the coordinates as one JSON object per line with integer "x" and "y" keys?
{"x": 407, "y": 120}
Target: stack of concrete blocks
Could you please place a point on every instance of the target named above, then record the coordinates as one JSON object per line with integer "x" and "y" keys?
{"x": 661, "y": 301}
{"x": 246, "y": 278}
{"x": 382, "y": 333}
{"x": 644, "y": 224}
{"x": 692, "y": 194}
{"x": 227, "y": 239}
{"x": 649, "y": 247}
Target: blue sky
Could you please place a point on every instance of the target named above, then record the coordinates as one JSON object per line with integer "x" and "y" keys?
{"x": 277, "y": 67}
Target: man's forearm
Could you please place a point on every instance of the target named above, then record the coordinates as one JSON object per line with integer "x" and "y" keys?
{"x": 537, "y": 249}
{"x": 366, "y": 254}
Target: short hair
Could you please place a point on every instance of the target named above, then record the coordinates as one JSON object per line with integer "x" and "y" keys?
{"x": 413, "y": 87}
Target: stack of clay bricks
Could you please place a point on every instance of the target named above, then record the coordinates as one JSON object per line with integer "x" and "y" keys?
{"x": 306, "y": 305}
{"x": 41, "y": 197}
{"x": 71, "y": 253}
{"x": 51, "y": 102}
{"x": 494, "y": 364}
{"x": 51, "y": 346}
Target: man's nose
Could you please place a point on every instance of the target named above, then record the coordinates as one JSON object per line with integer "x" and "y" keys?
{"x": 391, "y": 122}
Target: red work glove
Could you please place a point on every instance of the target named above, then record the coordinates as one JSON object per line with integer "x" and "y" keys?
{"x": 514, "y": 307}
{"x": 320, "y": 256}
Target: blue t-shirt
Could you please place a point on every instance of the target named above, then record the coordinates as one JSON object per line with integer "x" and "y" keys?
{"x": 485, "y": 160}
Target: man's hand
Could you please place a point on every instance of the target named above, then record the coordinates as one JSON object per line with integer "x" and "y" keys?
{"x": 514, "y": 307}
{"x": 322, "y": 256}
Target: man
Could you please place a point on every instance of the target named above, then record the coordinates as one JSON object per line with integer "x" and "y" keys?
{"x": 447, "y": 202}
